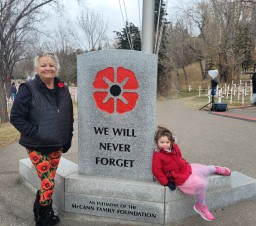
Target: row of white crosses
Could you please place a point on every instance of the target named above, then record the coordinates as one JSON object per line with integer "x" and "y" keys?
{"x": 218, "y": 93}
{"x": 242, "y": 90}
{"x": 73, "y": 93}
{"x": 9, "y": 103}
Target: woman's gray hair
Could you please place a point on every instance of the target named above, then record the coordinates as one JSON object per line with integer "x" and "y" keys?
{"x": 47, "y": 54}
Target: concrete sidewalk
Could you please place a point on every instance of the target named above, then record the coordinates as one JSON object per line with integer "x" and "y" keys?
{"x": 203, "y": 138}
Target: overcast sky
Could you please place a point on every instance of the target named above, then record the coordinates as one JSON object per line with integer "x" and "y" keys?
{"x": 113, "y": 11}
{"x": 110, "y": 11}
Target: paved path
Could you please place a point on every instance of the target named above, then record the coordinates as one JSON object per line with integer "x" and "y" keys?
{"x": 203, "y": 138}
{"x": 242, "y": 113}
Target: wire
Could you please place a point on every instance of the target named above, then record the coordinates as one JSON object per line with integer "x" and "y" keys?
{"x": 125, "y": 11}
{"x": 125, "y": 25}
{"x": 157, "y": 26}
{"x": 159, "y": 32}
{"x": 140, "y": 19}
{"x": 139, "y": 13}
{"x": 128, "y": 26}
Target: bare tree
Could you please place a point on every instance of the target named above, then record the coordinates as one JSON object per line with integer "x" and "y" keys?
{"x": 235, "y": 43}
{"x": 23, "y": 69}
{"x": 17, "y": 22}
{"x": 226, "y": 34}
{"x": 200, "y": 13}
{"x": 66, "y": 54}
{"x": 91, "y": 30}
{"x": 178, "y": 52}
{"x": 68, "y": 40}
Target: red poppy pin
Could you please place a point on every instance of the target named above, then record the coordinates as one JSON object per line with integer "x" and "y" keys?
{"x": 60, "y": 84}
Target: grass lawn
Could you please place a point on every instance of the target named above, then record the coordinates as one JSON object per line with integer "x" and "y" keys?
{"x": 8, "y": 134}
{"x": 192, "y": 100}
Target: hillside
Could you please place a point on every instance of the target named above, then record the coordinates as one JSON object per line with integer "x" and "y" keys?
{"x": 195, "y": 79}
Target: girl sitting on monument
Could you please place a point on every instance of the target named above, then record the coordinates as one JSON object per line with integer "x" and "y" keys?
{"x": 171, "y": 170}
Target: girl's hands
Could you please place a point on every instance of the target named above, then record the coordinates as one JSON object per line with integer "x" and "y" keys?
{"x": 171, "y": 185}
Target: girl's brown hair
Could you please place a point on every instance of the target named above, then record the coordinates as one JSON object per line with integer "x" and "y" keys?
{"x": 161, "y": 132}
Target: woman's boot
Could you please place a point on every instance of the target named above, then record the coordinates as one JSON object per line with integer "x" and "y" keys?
{"x": 36, "y": 207}
{"x": 46, "y": 216}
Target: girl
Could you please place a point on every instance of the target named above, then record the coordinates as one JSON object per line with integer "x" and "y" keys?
{"x": 171, "y": 170}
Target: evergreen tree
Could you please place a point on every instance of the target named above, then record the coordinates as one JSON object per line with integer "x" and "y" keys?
{"x": 160, "y": 46}
{"x": 162, "y": 13}
{"x": 129, "y": 37}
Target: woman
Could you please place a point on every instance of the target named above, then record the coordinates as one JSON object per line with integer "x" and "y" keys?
{"x": 43, "y": 113}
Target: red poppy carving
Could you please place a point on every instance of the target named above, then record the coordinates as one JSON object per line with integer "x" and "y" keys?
{"x": 115, "y": 92}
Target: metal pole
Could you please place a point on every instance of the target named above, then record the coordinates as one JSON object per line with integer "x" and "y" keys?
{"x": 148, "y": 26}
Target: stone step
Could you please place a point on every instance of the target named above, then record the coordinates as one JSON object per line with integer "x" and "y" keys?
{"x": 214, "y": 182}
{"x": 218, "y": 181}
{"x": 241, "y": 188}
{"x": 134, "y": 200}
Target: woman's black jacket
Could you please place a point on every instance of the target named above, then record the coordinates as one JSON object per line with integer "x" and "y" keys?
{"x": 44, "y": 117}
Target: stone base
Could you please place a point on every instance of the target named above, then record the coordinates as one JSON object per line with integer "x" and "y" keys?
{"x": 134, "y": 200}
{"x": 30, "y": 178}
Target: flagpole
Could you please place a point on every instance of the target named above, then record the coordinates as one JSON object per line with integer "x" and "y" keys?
{"x": 148, "y": 26}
